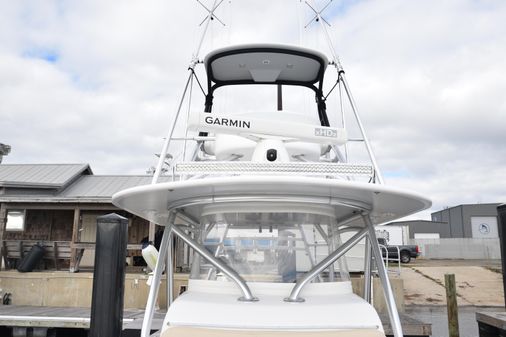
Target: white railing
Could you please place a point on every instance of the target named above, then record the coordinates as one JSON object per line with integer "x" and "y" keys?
{"x": 387, "y": 258}
{"x": 277, "y": 168}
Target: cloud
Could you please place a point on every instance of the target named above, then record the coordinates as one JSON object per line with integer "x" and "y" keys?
{"x": 427, "y": 78}
{"x": 98, "y": 82}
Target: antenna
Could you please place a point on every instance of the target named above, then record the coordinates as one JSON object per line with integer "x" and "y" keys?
{"x": 211, "y": 13}
{"x": 210, "y": 16}
{"x": 318, "y": 18}
{"x": 318, "y": 14}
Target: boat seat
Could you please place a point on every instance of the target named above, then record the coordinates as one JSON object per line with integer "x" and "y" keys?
{"x": 178, "y": 331}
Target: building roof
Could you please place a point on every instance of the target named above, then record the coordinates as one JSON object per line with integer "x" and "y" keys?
{"x": 44, "y": 176}
{"x": 103, "y": 187}
{"x": 493, "y": 204}
{"x": 407, "y": 222}
{"x": 63, "y": 183}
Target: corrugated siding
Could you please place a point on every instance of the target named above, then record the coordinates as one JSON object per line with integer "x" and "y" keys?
{"x": 39, "y": 174}
{"x": 104, "y": 186}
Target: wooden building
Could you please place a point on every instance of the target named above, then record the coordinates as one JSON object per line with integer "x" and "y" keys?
{"x": 56, "y": 205}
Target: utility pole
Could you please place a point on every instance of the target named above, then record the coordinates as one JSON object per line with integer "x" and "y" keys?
{"x": 4, "y": 150}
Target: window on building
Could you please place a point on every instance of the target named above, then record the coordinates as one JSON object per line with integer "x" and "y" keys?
{"x": 15, "y": 220}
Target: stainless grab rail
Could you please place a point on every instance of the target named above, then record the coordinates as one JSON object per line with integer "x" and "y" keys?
{"x": 385, "y": 282}
{"x": 229, "y": 272}
{"x": 155, "y": 283}
{"x": 310, "y": 275}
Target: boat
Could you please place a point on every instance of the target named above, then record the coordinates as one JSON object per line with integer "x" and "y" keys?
{"x": 270, "y": 205}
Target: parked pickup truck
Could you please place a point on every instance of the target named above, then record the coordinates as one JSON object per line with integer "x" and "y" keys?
{"x": 407, "y": 252}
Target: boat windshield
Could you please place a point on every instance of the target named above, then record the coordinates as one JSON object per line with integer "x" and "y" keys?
{"x": 269, "y": 246}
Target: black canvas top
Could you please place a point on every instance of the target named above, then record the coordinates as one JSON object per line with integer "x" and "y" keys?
{"x": 265, "y": 64}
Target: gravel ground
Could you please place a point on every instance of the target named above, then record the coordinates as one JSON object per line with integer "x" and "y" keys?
{"x": 479, "y": 288}
{"x": 477, "y": 285}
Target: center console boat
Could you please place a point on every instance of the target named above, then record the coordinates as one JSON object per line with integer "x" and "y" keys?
{"x": 269, "y": 205}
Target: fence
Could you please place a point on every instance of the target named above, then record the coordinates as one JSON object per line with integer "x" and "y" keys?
{"x": 458, "y": 248}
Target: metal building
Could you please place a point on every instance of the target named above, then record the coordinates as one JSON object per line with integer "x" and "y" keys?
{"x": 477, "y": 221}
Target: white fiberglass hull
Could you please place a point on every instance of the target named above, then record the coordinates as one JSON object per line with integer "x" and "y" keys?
{"x": 329, "y": 308}
{"x": 204, "y": 332}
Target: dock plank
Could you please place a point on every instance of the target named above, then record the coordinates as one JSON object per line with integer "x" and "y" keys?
{"x": 70, "y": 317}
{"x": 136, "y": 324}
{"x": 64, "y": 317}
{"x": 495, "y": 319}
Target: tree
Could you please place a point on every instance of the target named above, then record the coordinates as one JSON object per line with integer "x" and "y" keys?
{"x": 4, "y": 150}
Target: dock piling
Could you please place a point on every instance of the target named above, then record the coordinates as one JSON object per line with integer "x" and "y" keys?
{"x": 451, "y": 303}
{"x": 109, "y": 276}
{"x": 501, "y": 212}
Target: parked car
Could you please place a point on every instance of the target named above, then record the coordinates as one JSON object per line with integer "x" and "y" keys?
{"x": 407, "y": 252}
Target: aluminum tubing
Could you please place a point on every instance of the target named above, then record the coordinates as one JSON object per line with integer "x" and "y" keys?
{"x": 310, "y": 275}
{"x": 361, "y": 127}
{"x": 170, "y": 271}
{"x": 155, "y": 283}
{"x": 385, "y": 282}
{"x": 229, "y": 272}
{"x": 367, "y": 270}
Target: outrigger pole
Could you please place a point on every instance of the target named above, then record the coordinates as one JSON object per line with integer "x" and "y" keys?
{"x": 371, "y": 245}
{"x": 191, "y": 68}
{"x": 165, "y": 248}
{"x": 342, "y": 78}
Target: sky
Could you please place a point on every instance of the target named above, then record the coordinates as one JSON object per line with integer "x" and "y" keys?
{"x": 99, "y": 81}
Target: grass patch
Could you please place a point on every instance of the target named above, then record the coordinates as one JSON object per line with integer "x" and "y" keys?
{"x": 497, "y": 270}
{"x": 428, "y": 277}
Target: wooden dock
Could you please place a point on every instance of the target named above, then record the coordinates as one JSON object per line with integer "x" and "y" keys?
{"x": 410, "y": 326}
{"x": 491, "y": 324}
{"x": 65, "y": 317}
{"x": 20, "y": 316}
